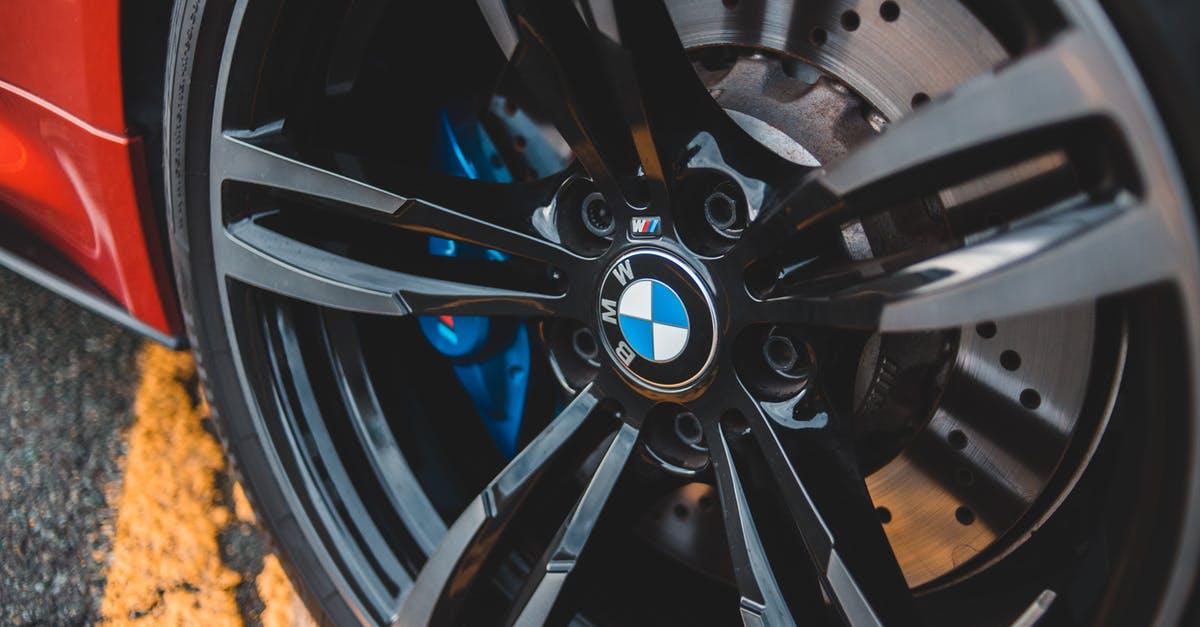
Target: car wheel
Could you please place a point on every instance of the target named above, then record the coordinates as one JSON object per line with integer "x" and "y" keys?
{"x": 693, "y": 312}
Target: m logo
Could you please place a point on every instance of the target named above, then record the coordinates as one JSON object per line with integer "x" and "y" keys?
{"x": 645, "y": 226}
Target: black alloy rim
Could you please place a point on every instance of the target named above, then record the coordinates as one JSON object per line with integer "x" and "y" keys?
{"x": 651, "y": 141}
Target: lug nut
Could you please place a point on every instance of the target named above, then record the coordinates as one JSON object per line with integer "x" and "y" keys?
{"x": 688, "y": 429}
{"x": 781, "y": 354}
{"x": 720, "y": 209}
{"x": 597, "y": 216}
{"x": 584, "y": 344}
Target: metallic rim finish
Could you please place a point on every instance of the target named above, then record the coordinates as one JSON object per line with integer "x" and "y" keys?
{"x": 1088, "y": 248}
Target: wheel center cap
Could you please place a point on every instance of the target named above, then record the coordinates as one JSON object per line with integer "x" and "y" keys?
{"x": 657, "y": 319}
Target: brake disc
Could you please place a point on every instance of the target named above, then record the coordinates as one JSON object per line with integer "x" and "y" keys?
{"x": 976, "y": 478}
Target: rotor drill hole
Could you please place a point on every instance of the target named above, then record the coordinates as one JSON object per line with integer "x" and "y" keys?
{"x": 889, "y": 11}
{"x": 1030, "y": 398}
{"x": 850, "y": 21}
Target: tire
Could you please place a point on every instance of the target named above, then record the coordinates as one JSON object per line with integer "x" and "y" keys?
{"x": 197, "y": 29}
{"x": 374, "y": 511}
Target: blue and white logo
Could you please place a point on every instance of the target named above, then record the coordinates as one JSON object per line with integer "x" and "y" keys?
{"x": 657, "y": 320}
{"x": 653, "y": 320}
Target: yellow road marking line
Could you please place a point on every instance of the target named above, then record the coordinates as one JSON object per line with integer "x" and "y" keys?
{"x": 165, "y": 565}
{"x": 282, "y": 607}
{"x": 241, "y": 505}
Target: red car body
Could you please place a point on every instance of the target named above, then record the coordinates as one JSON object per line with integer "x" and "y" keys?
{"x": 75, "y": 200}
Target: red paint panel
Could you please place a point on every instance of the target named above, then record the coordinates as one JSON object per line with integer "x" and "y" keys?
{"x": 68, "y": 170}
{"x": 82, "y": 190}
{"x": 68, "y": 53}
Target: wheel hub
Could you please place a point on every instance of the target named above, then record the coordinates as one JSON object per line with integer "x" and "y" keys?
{"x": 657, "y": 320}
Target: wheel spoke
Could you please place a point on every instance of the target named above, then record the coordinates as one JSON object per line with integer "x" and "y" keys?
{"x": 447, "y": 576}
{"x": 987, "y": 123}
{"x": 558, "y": 64}
{"x": 264, "y": 258}
{"x": 617, "y": 81}
{"x": 989, "y": 120}
{"x": 240, "y": 159}
{"x": 664, "y": 103}
{"x": 540, "y": 592}
{"x": 373, "y": 430}
{"x": 833, "y": 513}
{"x": 494, "y": 216}
{"x": 762, "y": 601}
{"x": 1069, "y": 256}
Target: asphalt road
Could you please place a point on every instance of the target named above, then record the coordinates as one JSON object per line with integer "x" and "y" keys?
{"x": 93, "y": 526}
{"x": 66, "y": 387}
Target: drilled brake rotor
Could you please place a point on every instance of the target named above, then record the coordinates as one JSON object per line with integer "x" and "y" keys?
{"x": 972, "y": 481}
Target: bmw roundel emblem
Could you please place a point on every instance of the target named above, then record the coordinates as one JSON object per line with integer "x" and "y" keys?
{"x": 657, "y": 319}
{"x": 653, "y": 320}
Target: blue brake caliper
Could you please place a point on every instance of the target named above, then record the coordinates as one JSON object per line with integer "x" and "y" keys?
{"x": 495, "y": 377}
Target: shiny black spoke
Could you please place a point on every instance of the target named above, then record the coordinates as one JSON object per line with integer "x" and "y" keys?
{"x": 762, "y": 601}
{"x": 541, "y": 591}
{"x": 495, "y": 216}
{"x": 619, "y": 86}
{"x": 1075, "y": 254}
{"x": 370, "y": 425}
{"x": 559, "y": 65}
{"x": 266, "y": 258}
{"x": 448, "y": 575}
{"x": 817, "y": 476}
{"x": 663, "y": 101}
{"x": 1040, "y": 103}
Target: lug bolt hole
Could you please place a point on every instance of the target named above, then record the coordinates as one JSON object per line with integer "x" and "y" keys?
{"x": 597, "y": 216}
{"x": 720, "y": 210}
{"x": 723, "y": 211}
{"x": 780, "y": 353}
{"x": 688, "y": 429}
{"x": 674, "y": 438}
{"x": 711, "y": 213}
{"x": 776, "y": 363}
{"x": 584, "y": 343}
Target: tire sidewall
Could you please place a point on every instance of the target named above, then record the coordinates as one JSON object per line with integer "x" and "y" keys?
{"x": 196, "y": 44}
